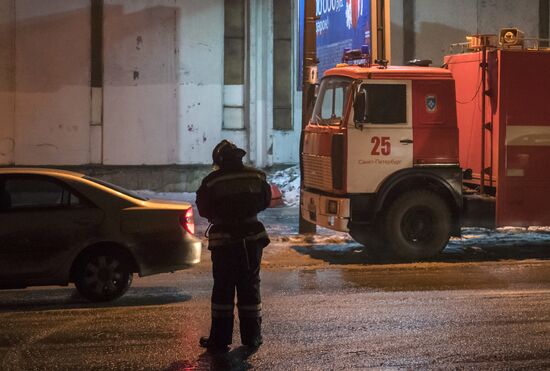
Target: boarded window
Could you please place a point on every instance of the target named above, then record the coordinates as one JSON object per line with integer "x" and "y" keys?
{"x": 282, "y": 52}
{"x": 234, "y": 64}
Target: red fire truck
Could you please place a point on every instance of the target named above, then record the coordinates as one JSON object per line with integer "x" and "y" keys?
{"x": 403, "y": 157}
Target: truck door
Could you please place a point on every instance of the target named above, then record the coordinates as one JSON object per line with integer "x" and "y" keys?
{"x": 380, "y": 138}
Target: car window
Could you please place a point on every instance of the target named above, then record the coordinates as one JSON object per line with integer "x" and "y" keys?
{"x": 114, "y": 187}
{"x": 74, "y": 200}
{"x": 24, "y": 193}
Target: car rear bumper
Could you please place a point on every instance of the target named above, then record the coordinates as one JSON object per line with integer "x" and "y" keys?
{"x": 173, "y": 258}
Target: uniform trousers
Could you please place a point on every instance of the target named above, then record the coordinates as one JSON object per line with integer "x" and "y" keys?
{"x": 236, "y": 267}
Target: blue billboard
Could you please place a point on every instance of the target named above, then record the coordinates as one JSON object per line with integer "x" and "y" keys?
{"x": 341, "y": 24}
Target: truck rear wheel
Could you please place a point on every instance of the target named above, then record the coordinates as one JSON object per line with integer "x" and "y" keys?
{"x": 417, "y": 225}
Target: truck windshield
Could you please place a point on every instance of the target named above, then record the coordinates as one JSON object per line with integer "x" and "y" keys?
{"x": 333, "y": 94}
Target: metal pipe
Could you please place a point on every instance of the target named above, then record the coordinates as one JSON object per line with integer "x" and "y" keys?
{"x": 308, "y": 93}
{"x": 483, "y": 96}
{"x": 380, "y": 31}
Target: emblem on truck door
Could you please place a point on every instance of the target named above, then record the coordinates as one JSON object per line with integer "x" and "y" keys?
{"x": 431, "y": 103}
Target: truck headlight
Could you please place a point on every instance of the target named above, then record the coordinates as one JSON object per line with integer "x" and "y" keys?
{"x": 332, "y": 207}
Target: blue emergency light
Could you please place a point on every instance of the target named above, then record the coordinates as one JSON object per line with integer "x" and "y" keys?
{"x": 360, "y": 57}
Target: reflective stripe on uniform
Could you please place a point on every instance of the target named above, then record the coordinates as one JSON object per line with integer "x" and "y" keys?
{"x": 250, "y": 307}
{"x": 237, "y": 187}
{"x": 218, "y": 235}
{"x": 234, "y": 177}
{"x": 222, "y": 310}
{"x": 250, "y": 311}
{"x": 219, "y": 239}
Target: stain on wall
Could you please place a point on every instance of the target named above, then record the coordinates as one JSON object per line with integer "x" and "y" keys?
{"x": 140, "y": 101}
{"x": 200, "y": 67}
{"x": 52, "y": 82}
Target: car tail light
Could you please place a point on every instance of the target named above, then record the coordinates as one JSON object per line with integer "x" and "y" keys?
{"x": 187, "y": 221}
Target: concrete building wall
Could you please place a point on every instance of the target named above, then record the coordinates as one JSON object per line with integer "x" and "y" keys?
{"x": 7, "y": 81}
{"x": 200, "y": 87}
{"x": 162, "y": 100}
{"x": 437, "y": 24}
{"x": 52, "y": 82}
{"x": 140, "y": 118}
{"x": 494, "y": 15}
{"x": 441, "y": 23}
{"x": 162, "y": 97}
{"x": 396, "y": 31}
{"x": 286, "y": 143}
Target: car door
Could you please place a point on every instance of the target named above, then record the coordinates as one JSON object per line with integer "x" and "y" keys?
{"x": 41, "y": 221}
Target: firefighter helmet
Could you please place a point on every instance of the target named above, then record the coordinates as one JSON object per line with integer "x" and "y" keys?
{"x": 224, "y": 151}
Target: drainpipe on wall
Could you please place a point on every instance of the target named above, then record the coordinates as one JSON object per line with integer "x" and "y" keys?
{"x": 96, "y": 82}
{"x": 409, "y": 33}
{"x": 261, "y": 82}
{"x": 544, "y": 22}
{"x": 308, "y": 92}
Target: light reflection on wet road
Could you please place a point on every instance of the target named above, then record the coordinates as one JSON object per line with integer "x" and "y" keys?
{"x": 328, "y": 304}
{"x": 318, "y": 315}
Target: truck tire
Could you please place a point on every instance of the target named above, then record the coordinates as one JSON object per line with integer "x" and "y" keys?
{"x": 417, "y": 225}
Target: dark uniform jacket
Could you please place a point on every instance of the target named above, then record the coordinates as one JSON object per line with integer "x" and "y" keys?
{"x": 230, "y": 198}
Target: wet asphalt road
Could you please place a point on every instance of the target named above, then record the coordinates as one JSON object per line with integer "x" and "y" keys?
{"x": 325, "y": 307}
{"x": 321, "y": 311}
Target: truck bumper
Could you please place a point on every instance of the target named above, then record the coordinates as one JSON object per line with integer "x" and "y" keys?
{"x": 326, "y": 211}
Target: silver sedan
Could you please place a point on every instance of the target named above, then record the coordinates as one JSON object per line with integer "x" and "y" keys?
{"x": 58, "y": 227}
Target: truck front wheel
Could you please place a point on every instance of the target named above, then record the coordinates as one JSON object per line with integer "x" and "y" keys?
{"x": 417, "y": 225}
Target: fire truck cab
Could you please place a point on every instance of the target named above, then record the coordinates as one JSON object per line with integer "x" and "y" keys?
{"x": 401, "y": 158}
{"x": 381, "y": 158}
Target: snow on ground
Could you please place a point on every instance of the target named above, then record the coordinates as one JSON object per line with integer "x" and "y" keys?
{"x": 473, "y": 238}
{"x": 282, "y": 223}
{"x": 288, "y": 181}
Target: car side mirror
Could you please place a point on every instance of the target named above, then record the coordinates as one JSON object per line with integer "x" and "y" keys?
{"x": 360, "y": 108}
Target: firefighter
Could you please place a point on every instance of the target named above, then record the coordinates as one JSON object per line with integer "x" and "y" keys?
{"x": 5, "y": 199}
{"x": 230, "y": 198}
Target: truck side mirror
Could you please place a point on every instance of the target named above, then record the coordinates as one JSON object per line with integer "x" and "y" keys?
{"x": 316, "y": 93}
{"x": 360, "y": 107}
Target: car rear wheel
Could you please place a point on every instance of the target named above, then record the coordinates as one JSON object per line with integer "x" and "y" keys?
{"x": 417, "y": 225}
{"x": 102, "y": 276}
